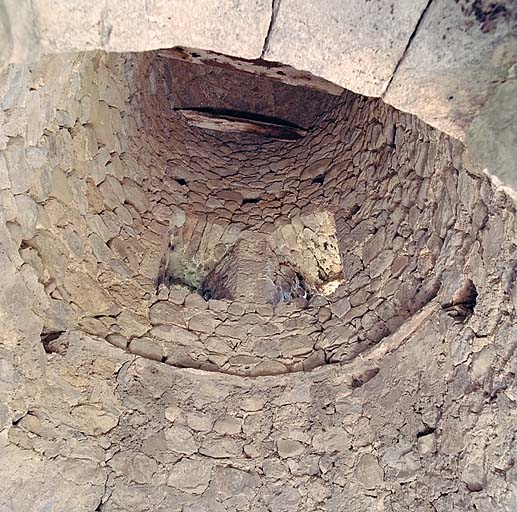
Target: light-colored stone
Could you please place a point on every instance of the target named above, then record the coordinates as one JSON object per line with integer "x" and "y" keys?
{"x": 88, "y": 425}
{"x": 60, "y": 187}
{"x": 135, "y": 196}
{"x": 190, "y": 476}
{"x": 19, "y": 35}
{"x": 478, "y": 39}
{"x": 172, "y": 413}
{"x": 181, "y": 440}
{"x": 203, "y": 322}
{"x": 174, "y": 334}
{"x": 368, "y": 471}
{"x": 228, "y": 425}
{"x": 93, "y": 420}
{"x": 135, "y": 466}
{"x": 166, "y": 313}
{"x": 235, "y": 29}
{"x": 19, "y": 171}
{"x": 146, "y": 347}
{"x": 492, "y": 136}
{"x": 427, "y": 444}
{"x": 27, "y": 214}
{"x": 200, "y": 422}
{"x": 354, "y": 45}
{"x": 232, "y": 482}
{"x": 341, "y": 307}
{"x": 333, "y": 439}
{"x": 289, "y": 448}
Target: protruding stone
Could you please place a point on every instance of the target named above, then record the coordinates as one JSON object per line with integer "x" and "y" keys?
{"x": 289, "y": 448}
{"x": 146, "y": 347}
{"x": 474, "y": 477}
{"x": 369, "y": 472}
{"x": 203, "y": 322}
{"x": 268, "y": 368}
{"x": 181, "y": 440}
{"x": 341, "y": 307}
{"x": 190, "y": 475}
{"x": 166, "y": 313}
{"x": 228, "y": 425}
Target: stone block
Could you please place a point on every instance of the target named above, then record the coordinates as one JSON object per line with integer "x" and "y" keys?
{"x": 459, "y": 53}
{"x": 137, "y": 467}
{"x": 27, "y": 215}
{"x": 228, "y": 425}
{"x": 369, "y": 472}
{"x": 492, "y": 135}
{"x": 289, "y": 448}
{"x": 191, "y": 476}
{"x": 166, "y": 313}
{"x": 19, "y": 41}
{"x": 236, "y": 28}
{"x": 354, "y": 44}
{"x": 20, "y": 174}
{"x": 180, "y": 440}
{"x": 146, "y": 347}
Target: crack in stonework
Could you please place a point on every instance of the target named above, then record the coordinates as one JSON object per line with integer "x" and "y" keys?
{"x": 275, "y": 5}
{"x": 406, "y": 49}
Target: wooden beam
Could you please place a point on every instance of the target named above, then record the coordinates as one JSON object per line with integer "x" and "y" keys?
{"x": 229, "y": 123}
{"x": 272, "y": 70}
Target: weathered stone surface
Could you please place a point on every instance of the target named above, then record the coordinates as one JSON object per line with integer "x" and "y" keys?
{"x": 423, "y": 44}
{"x": 492, "y": 137}
{"x": 341, "y": 307}
{"x": 478, "y": 39}
{"x": 231, "y": 482}
{"x": 175, "y": 334}
{"x": 331, "y": 439}
{"x": 221, "y": 27}
{"x": 146, "y": 347}
{"x": 266, "y": 407}
{"x": 289, "y": 448}
{"x": 87, "y": 293}
{"x": 135, "y": 195}
{"x": 228, "y": 425}
{"x": 93, "y": 420}
{"x": 167, "y": 314}
{"x": 368, "y": 472}
{"x": 190, "y": 476}
{"x": 180, "y": 440}
{"x": 355, "y": 45}
{"x": 203, "y": 322}
{"x": 82, "y": 493}
{"x": 17, "y": 166}
{"x": 136, "y": 467}
{"x": 18, "y": 33}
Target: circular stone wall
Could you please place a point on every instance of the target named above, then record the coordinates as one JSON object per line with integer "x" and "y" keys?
{"x": 198, "y": 320}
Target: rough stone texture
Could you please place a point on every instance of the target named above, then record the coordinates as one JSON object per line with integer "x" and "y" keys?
{"x": 200, "y": 86}
{"x": 355, "y": 398}
{"x": 441, "y": 60}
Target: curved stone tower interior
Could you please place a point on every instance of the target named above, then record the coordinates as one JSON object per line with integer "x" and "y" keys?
{"x": 231, "y": 285}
